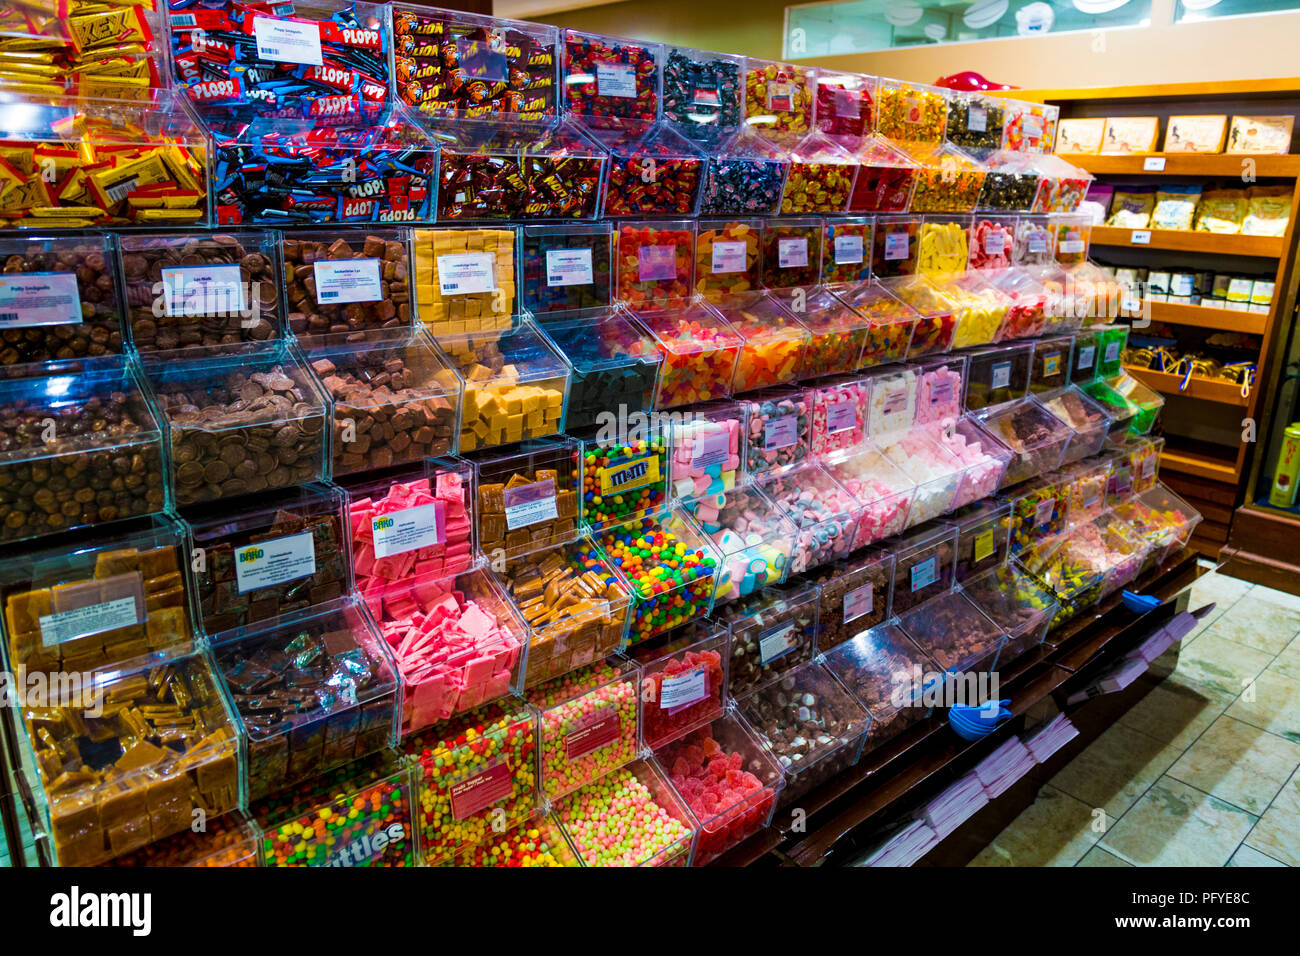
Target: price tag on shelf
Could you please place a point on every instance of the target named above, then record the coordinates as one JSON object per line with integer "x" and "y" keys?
{"x": 1153, "y": 164}
{"x": 1141, "y": 237}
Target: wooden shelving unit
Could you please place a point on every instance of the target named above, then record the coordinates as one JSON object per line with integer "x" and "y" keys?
{"x": 1213, "y": 477}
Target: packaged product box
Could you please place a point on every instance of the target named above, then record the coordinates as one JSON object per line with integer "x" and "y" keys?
{"x": 1080, "y": 135}
{"x": 1126, "y": 135}
{"x": 1195, "y": 134}
{"x": 1260, "y": 134}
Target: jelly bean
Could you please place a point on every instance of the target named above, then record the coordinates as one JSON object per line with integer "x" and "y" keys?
{"x": 846, "y": 251}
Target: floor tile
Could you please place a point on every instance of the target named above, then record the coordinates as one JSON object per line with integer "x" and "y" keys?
{"x": 1275, "y": 706}
{"x": 1055, "y": 830}
{"x": 1249, "y": 856}
{"x": 1099, "y": 857}
{"x": 1278, "y": 832}
{"x": 1219, "y": 588}
{"x": 1115, "y": 770}
{"x": 1274, "y": 596}
{"x": 1176, "y": 713}
{"x": 1258, "y": 624}
{"x": 1288, "y": 662}
{"x": 1220, "y": 664}
{"x": 1176, "y": 825}
{"x": 1238, "y": 763}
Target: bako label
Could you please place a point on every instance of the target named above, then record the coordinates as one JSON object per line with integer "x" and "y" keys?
{"x": 273, "y": 562}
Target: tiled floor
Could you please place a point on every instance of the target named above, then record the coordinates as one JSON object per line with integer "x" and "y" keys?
{"x": 1204, "y": 771}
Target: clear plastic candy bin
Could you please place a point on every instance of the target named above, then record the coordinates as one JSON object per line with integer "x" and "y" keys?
{"x": 1160, "y": 517}
{"x": 636, "y": 803}
{"x": 1036, "y": 437}
{"x": 852, "y": 595}
{"x": 959, "y": 636}
{"x": 615, "y": 365}
{"x": 826, "y": 515}
{"x": 772, "y": 632}
{"x": 752, "y": 537}
{"x": 699, "y": 352}
{"x": 870, "y": 665}
{"x": 883, "y": 490}
{"x": 1012, "y": 600}
{"x": 924, "y": 566}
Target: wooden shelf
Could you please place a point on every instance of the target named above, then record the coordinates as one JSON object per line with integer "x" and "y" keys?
{"x": 1208, "y": 317}
{"x": 1199, "y": 463}
{"x": 1187, "y": 164}
{"x": 1206, "y": 389}
{"x": 1148, "y": 91}
{"x": 1269, "y": 247}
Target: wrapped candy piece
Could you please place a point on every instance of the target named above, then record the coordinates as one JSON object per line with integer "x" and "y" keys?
{"x": 653, "y": 171}
{"x": 975, "y": 121}
{"x": 703, "y": 93}
{"x": 610, "y": 80}
{"x": 844, "y": 106}
{"x": 1012, "y": 183}
{"x": 885, "y": 178}
{"x": 950, "y": 180}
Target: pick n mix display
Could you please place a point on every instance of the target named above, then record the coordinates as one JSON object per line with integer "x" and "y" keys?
{"x": 495, "y": 445}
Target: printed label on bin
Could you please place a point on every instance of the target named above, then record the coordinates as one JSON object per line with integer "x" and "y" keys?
{"x": 655, "y": 263}
{"x": 1070, "y": 245}
{"x": 777, "y": 641}
{"x": 1032, "y": 127}
{"x": 841, "y": 416}
{"x": 895, "y": 399}
{"x": 848, "y": 103}
{"x": 616, "y": 79}
{"x": 268, "y": 563}
{"x": 288, "y": 41}
{"x": 1052, "y": 363}
{"x": 39, "y": 298}
{"x": 729, "y": 257}
{"x": 598, "y": 729}
{"x": 780, "y": 95}
{"x": 792, "y": 253}
{"x": 912, "y": 108}
{"x": 1112, "y": 352}
{"x": 1043, "y": 511}
{"x": 781, "y": 432}
{"x": 1037, "y": 243}
{"x": 941, "y": 394}
{"x": 710, "y": 449}
{"x": 983, "y": 545}
{"x": 401, "y": 531}
{"x": 925, "y": 573}
{"x": 1121, "y": 481}
{"x": 1086, "y": 355}
{"x": 897, "y": 245}
{"x": 126, "y": 609}
{"x": 858, "y": 602}
{"x": 848, "y": 250}
{"x": 1001, "y": 375}
{"x": 466, "y": 273}
{"x": 1148, "y": 467}
{"x": 977, "y": 119}
{"x": 203, "y": 290}
{"x": 629, "y": 475}
{"x": 477, "y": 793}
{"x": 682, "y": 690}
{"x": 528, "y": 504}
{"x": 569, "y": 267}
{"x": 995, "y": 243}
{"x": 340, "y": 281}
{"x": 481, "y": 60}
{"x": 1092, "y": 495}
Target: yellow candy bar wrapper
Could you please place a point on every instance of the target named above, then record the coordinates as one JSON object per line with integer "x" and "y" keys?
{"x": 169, "y": 215}
{"x": 75, "y": 190}
{"x": 92, "y": 87}
{"x": 110, "y": 26}
{"x": 114, "y": 185}
{"x": 19, "y": 157}
{"x": 183, "y": 168}
{"x": 54, "y": 212}
{"x": 35, "y": 192}
{"x": 52, "y": 223}
{"x": 176, "y": 200}
{"x": 33, "y": 57}
{"x": 36, "y": 89}
{"x": 25, "y": 68}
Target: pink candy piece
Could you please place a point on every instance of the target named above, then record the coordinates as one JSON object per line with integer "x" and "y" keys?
{"x": 450, "y": 556}
{"x": 839, "y": 417}
{"x": 939, "y": 395}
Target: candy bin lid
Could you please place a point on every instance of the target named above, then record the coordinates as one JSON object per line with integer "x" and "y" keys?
{"x": 956, "y": 633}
{"x": 780, "y": 429}
{"x": 1036, "y": 437}
{"x": 983, "y": 456}
{"x": 1014, "y": 602}
{"x": 871, "y": 193}
{"x": 844, "y": 106}
{"x": 937, "y": 313}
{"x": 565, "y": 267}
{"x": 1054, "y": 565}
{"x": 884, "y": 491}
{"x": 911, "y": 112}
{"x": 610, "y": 81}
{"x": 847, "y": 242}
{"x": 515, "y": 385}
{"x": 1118, "y": 408}
{"x": 792, "y": 252}
{"x": 703, "y": 93}
{"x": 538, "y": 841}
{"x": 655, "y": 264}
{"x": 869, "y": 665}
{"x": 173, "y": 750}
{"x": 837, "y": 331}
{"x": 149, "y": 150}
{"x": 820, "y": 507}
{"x": 774, "y": 340}
{"x": 1148, "y": 401}
{"x": 636, "y": 802}
{"x": 396, "y": 378}
{"x": 708, "y": 446}
{"x": 1062, "y": 186}
{"x": 464, "y": 279}
{"x": 950, "y": 179}
{"x": 683, "y": 682}
{"x": 975, "y": 120}
{"x": 293, "y": 728}
{"x": 357, "y": 815}
{"x": 588, "y": 722}
{"x": 732, "y": 186}
{"x": 79, "y": 602}
{"x": 699, "y": 352}
{"x": 1012, "y": 183}
{"x": 772, "y": 631}
{"x": 502, "y": 170}
{"x": 575, "y": 608}
{"x": 1030, "y": 127}
{"x": 924, "y": 564}
{"x": 1084, "y": 415}
{"x": 282, "y": 557}
{"x": 892, "y": 322}
{"x": 101, "y": 429}
{"x": 615, "y": 364}
{"x": 473, "y": 774}
{"x": 781, "y": 718}
{"x": 852, "y": 594}
{"x": 997, "y": 375}
{"x": 813, "y": 151}
{"x": 625, "y": 477}
{"x": 938, "y": 473}
{"x": 227, "y": 840}
{"x": 1160, "y": 517}
{"x": 752, "y": 536}
{"x": 983, "y": 537}
{"x": 666, "y": 591}
{"x": 728, "y": 259}
{"x": 1083, "y": 358}
{"x": 654, "y": 171}
{"x": 507, "y": 67}
{"x": 526, "y": 496}
{"x": 779, "y": 99}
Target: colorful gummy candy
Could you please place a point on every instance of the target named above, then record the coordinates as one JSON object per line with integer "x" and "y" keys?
{"x": 792, "y": 253}
{"x": 699, "y": 355}
{"x": 839, "y": 416}
{"x": 894, "y": 247}
{"x": 588, "y": 725}
{"x": 624, "y": 480}
{"x": 773, "y": 341}
{"x": 751, "y": 537}
{"x": 780, "y": 430}
{"x": 620, "y": 821}
{"x": 991, "y": 244}
{"x": 846, "y": 251}
{"x": 1084, "y": 487}
{"x": 727, "y": 258}
{"x": 942, "y": 247}
{"x": 983, "y": 310}
{"x": 682, "y": 688}
{"x": 884, "y": 492}
{"x": 891, "y": 321}
{"x": 671, "y": 579}
{"x": 837, "y": 332}
{"x": 655, "y": 264}
{"x": 551, "y": 290}
{"x": 1030, "y": 128}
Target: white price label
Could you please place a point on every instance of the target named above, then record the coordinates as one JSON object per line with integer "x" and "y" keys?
{"x": 340, "y": 281}
{"x": 841, "y": 416}
{"x": 1037, "y": 244}
{"x": 1112, "y": 352}
{"x": 92, "y": 619}
{"x": 1154, "y": 164}
{"x": 848, "y": 250}
{"x": 781, "y": 432}
{"x": 1043, "y": 512}
{"x": 994, "y": 244}
{"x": 682, "y": 690}
{"x": 1086, "y": 355}
{"x": 1001, "y": 375}
{"x": 530, "y": 504}
{"x": 569, "y": 267}
{"x": 857, "y": 603}
{"x": 288, "y": 41}
{"x": 268, "y": 563}
{"x": 1070, "y": 246}
{"x": 407, "y": 530}
{"x": 1139, "y": 237}
{"x": 729, "y": 257}
{"x": 792, "y": 253}
{"x": 977, "y": 119}
{"x": 776, "y": 642}
{"x": 709, "y": 450}
{"x": 897, "y": 245}
{"x": 203, "y": 290}
{"x": 466, "y": 273}
{"x": 616, "y": 79}
{"x": 39, "y": 298}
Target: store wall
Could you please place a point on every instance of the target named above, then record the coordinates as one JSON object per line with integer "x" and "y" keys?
{"x": 1241, "y": 48}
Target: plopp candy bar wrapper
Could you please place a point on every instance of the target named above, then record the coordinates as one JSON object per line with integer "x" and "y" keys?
{"x": 311, "y": 59}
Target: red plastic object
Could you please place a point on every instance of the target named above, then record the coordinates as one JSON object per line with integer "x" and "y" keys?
{"x": 971, "y": 81}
